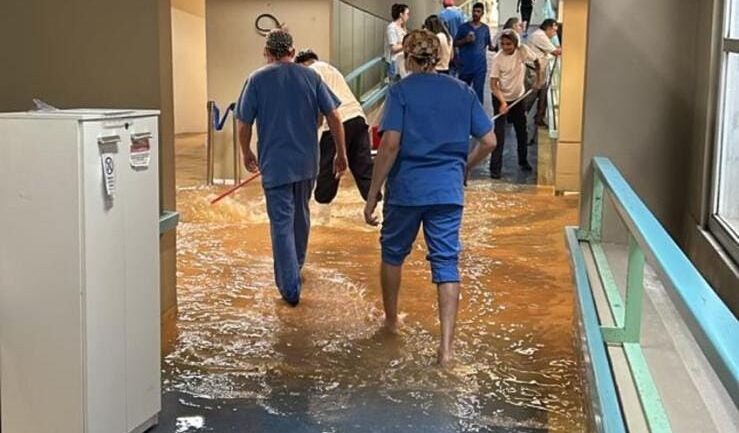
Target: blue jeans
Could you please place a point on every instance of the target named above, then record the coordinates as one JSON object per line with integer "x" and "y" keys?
{"x": 289, "y": 221}
{"x": 441, "y": 224}
{"x": 477, "y": 81}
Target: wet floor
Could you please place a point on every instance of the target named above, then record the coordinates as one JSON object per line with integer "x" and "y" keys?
{"x": 244, "y": 361}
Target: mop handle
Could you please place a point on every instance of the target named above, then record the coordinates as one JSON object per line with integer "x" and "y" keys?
{"x": 232, "y": 190}
{"x": 528, "y": 92}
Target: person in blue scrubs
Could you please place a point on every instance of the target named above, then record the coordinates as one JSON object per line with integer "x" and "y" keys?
{"x": 451, "y": 16}
{"x": 423, "y": 161}
{"x": 473, "y": 40}
{"x": 286, "y": 100}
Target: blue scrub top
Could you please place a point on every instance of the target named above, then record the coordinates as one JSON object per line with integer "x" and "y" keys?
{"x": 435, "y": 115}
{"x": 285, "y": 99}
{"x": 473, "y": 57}
{"x": 453, "y": 18}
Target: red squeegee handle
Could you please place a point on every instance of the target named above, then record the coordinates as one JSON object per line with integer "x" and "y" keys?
{"x": 233, "y": 189}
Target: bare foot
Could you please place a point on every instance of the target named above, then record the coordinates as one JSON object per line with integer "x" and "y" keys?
{"x": 392, "y": 327}
{"x": 445, "y": 358}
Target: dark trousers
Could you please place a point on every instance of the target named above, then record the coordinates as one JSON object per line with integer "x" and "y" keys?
{"x": 541, "y": 107}
{"x": 359, "y": 156}
{"x": 477, "y": 82}
{"x": 517, "y": 115}
{"x": 526, "y": 14}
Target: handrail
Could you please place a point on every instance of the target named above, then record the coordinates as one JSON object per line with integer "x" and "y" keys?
{"x": 353, "y": 75}
{"x": 712, "y": 324}
{"x": 605, "y": 398}
{"x": 709, "y": 319}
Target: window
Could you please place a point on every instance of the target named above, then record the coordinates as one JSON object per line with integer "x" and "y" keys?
{"x": 724, "y": 221}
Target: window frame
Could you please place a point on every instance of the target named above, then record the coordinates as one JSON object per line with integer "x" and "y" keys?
{"x": 726, "y": 236}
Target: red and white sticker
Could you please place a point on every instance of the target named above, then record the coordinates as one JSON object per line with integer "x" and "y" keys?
{"x": 140, "y": 151}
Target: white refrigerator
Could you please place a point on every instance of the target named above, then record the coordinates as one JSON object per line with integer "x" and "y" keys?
{"x": 79, "y": 271}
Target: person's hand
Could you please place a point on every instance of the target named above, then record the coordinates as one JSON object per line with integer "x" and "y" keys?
{"x": 470, "y": 37}
{"x": 557, "y": 51}
{"x": 340, "y": 164}
{"x": 250, "y": 162}
{"x": 503, "y": 108}
{"x": 369, "y": 211}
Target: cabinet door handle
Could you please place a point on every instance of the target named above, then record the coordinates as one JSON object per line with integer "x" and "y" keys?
{"x": 109, "y": 139}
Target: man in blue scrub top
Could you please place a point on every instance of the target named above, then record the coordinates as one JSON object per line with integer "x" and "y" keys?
{"x": 287, "y": 100}
{"x": 424, "y": 157}
{"x": 473, "y": 40}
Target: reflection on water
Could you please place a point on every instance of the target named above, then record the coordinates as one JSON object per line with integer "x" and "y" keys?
{"x": 329, "y": 360}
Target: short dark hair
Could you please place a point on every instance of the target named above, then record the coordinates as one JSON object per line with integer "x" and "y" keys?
{"x": 479, "y": 5}
{"x": 306, "y": 55}
{"x": 397, "y": 10}
{"x": 548, "y": 24}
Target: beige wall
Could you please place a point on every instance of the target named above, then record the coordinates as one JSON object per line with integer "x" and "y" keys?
{"x": 235, "y": 49}
{"x": 569, "y": 144}
{"x": 189, "y": 70}
{"x": 95, "y": 53}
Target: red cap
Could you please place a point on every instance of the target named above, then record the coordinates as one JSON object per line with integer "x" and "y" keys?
{"x": 448, "y": 3}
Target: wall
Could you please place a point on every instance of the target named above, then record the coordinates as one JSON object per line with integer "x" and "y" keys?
{"x": 189, "y": 68}
{"x": 572, "y": 89}
{"x": 235, "y": 49}
{"x": 650, "y": 107}
{"x": 95, "y": 53}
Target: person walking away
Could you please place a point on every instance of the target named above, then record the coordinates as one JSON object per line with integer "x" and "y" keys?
{"x": 473, "y": 40}
{"x": 394, "y": 35}
{"x": 436, "y": 26}
{"x": 541, "y": 44}
{"x": 507, "y": 75}
{"x": 355, "y": 129}
{"x": 286, "y": 101}
{"x": 527, "y": 8}
{"x": 423, "y": 162}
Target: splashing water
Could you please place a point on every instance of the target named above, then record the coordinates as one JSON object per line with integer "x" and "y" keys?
{"x": 330, "y": 361}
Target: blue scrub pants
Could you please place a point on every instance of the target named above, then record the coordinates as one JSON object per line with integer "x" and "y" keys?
{"x": 289, "y": 221}
{"x": 477, "y": 82}
{"x": 441, "y": 224}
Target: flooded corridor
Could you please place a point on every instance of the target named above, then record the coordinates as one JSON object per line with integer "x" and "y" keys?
{"x": 241, "y": 360}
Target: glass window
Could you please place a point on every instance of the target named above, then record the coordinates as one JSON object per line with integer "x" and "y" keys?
{"x": 728, "y": 155}
{"x": 732, "y": 14}
{"x": 724, "y": 220}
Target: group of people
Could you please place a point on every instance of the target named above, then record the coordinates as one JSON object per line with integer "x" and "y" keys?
{"x": 465, "y": 45}
{"x": 311, "y": 128}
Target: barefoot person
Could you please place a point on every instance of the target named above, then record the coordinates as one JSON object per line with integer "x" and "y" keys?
{"x": 286, "y": 101}
{"x": 424, "y": 156}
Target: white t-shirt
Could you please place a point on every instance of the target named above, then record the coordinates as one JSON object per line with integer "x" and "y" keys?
{"x": 399, "y": 60}
{"x": 445, "y": 55}
{"x": 541, "y": 44}
{"x": 511, "y": 71}
{"x": 394, "y": 35}
{"x": 350, "y": 107}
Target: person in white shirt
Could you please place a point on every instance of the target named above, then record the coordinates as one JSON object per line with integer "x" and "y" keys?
{"x": 446, "y": 53}
{"x": 394, "y": 35}
{"x": 355, "y": 130}
{"x": 507, "y": 75}
{"x": 541, "y": 44}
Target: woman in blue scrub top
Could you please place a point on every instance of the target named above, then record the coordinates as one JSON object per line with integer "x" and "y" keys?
{"x": 423, "y": 160}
